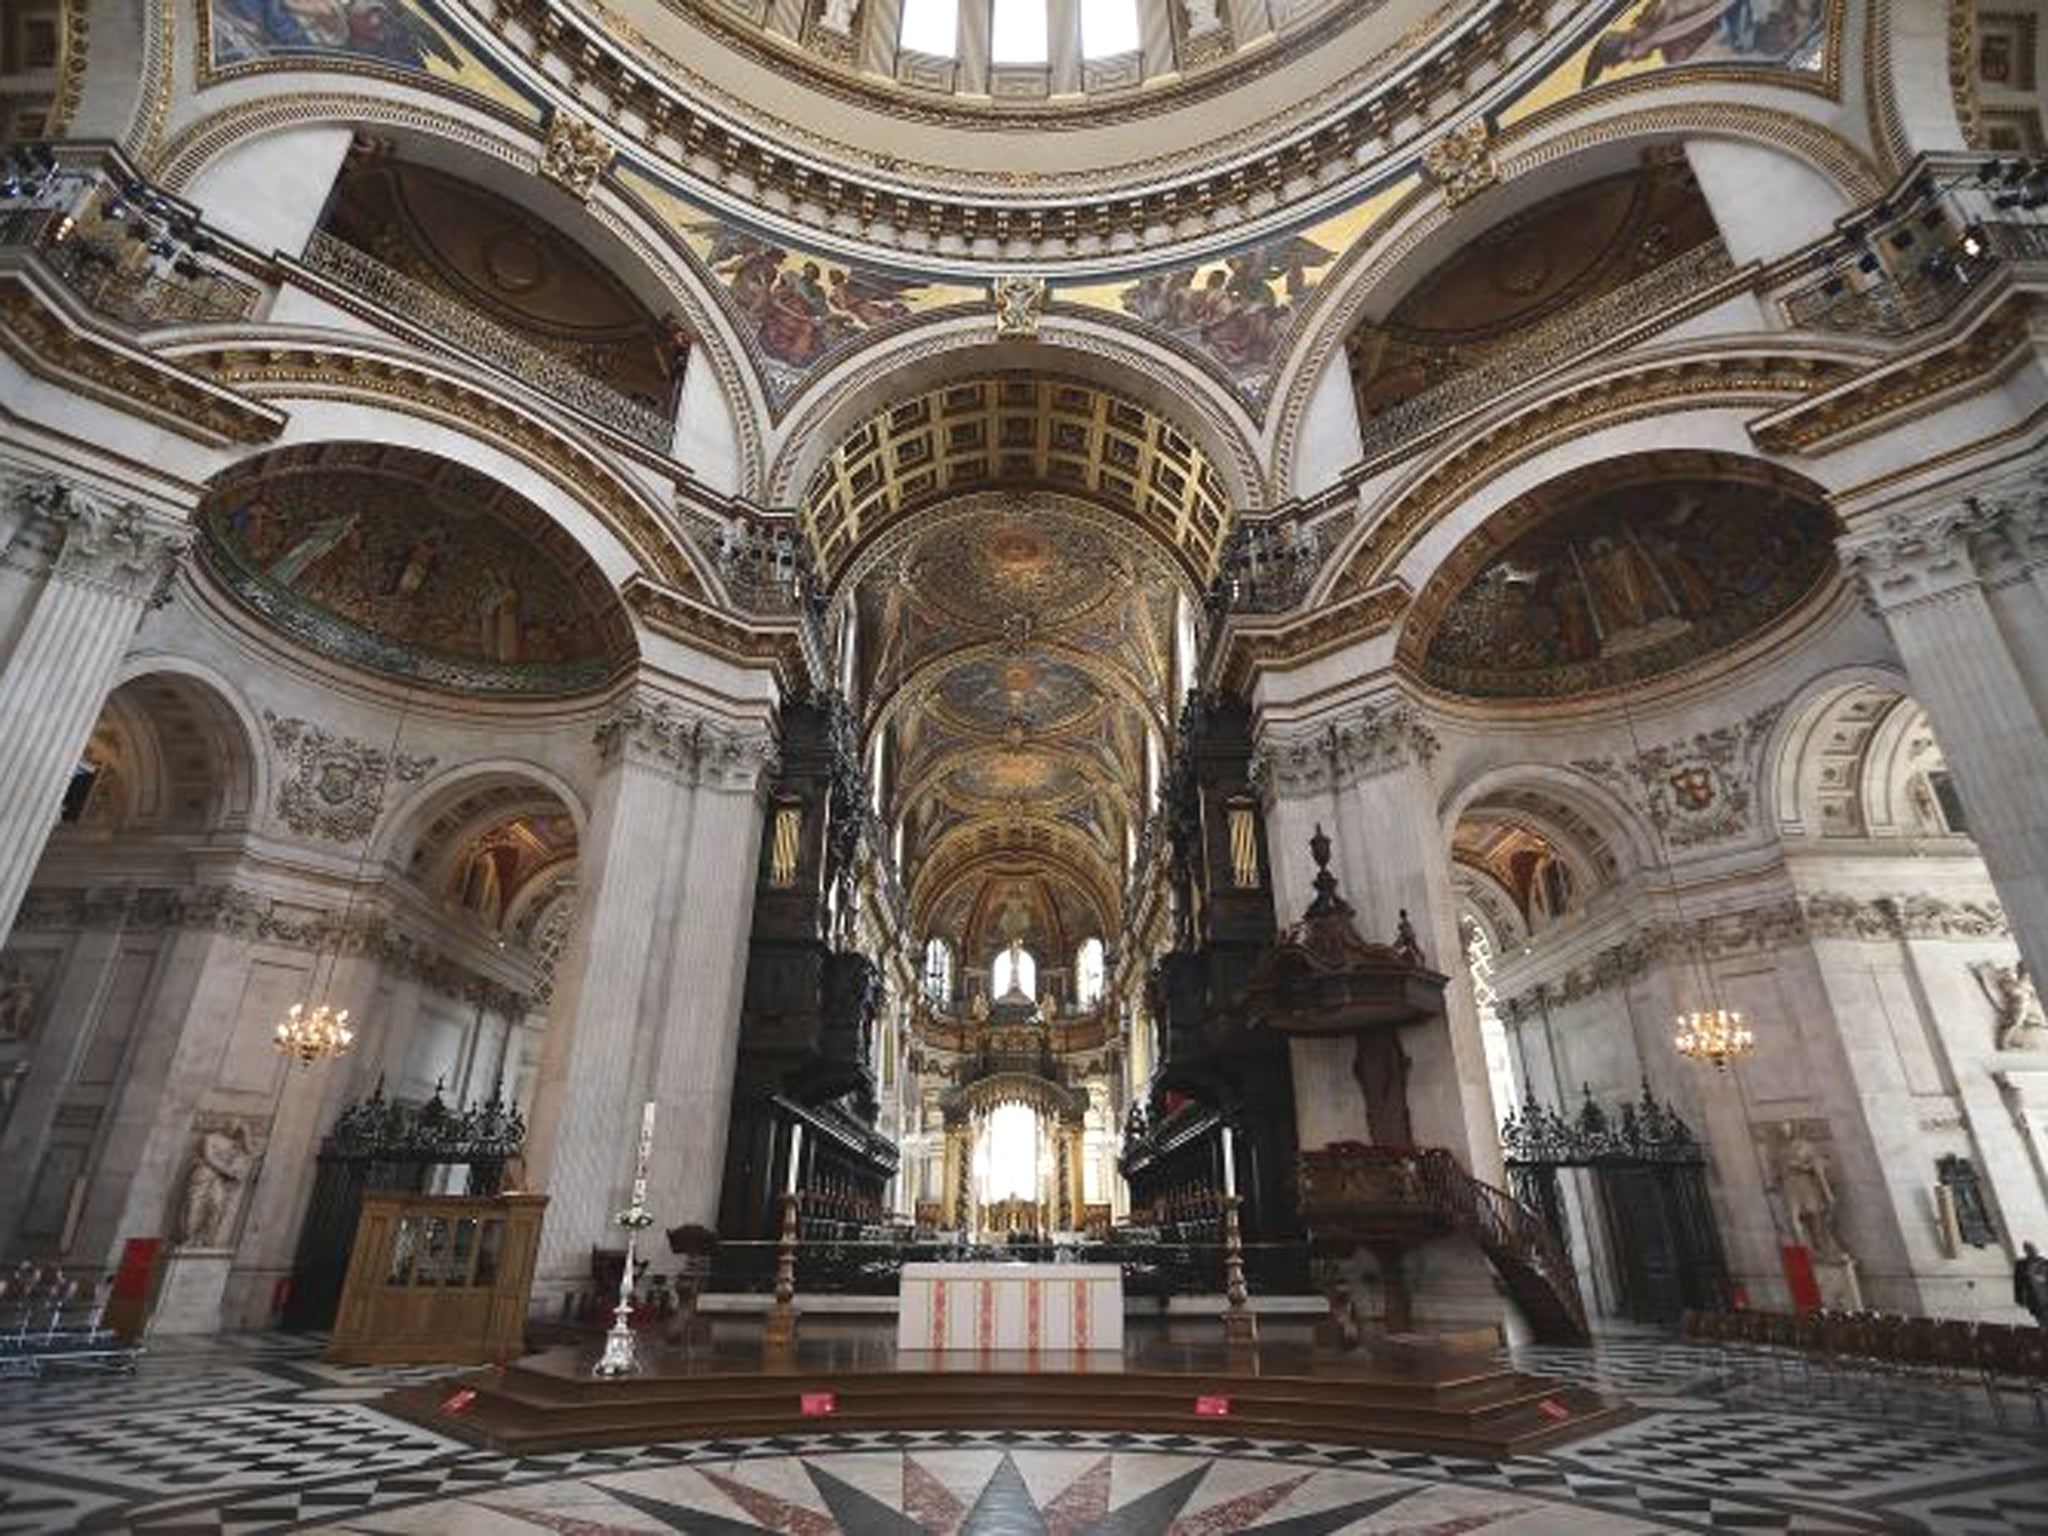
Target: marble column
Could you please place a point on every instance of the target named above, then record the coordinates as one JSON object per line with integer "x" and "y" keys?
{"x": 1938, "y": 578}
{"x": 77, "y": 570}
{"x": 646, "y": 999}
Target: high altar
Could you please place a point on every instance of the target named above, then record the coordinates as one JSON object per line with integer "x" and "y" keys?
{"x": 1011, "y": 1306}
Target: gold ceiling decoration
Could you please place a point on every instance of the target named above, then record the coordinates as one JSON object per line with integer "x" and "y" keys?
{"x": 1018, "y": 430}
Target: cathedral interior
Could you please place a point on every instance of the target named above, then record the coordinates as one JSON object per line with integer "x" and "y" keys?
{"x": 1071, "y": 717}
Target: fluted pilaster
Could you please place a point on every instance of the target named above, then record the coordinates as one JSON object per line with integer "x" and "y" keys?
{"x": 85, "y": 568}
{"x": 648, "y": 990}
{"x": 1936, "y": 579}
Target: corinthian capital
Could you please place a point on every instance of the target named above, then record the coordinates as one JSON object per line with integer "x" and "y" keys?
{"x": 1910, "y": 556}
{"x": 97, "y": 541}
{"x": 650, "y": 731}
{"x": 1337, "y": 753}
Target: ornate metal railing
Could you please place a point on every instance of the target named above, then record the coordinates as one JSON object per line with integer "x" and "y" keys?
{"x": 455, "y": 325}
{"x": 1556, "y": 343}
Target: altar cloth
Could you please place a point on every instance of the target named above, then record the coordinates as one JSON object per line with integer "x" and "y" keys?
{"x": 1011, "y": 1306}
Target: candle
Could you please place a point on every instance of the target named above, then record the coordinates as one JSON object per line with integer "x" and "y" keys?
{"x": 646, "y": 1153}
{"x": 796, "y": 1145}
{"x": 1229, "y": 1162}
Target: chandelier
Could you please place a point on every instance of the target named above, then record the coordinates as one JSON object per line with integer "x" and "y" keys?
{"x": 1715, "y": 1035}
{"x": 311, "y": 1032}
{"x": 314, "y": 1034}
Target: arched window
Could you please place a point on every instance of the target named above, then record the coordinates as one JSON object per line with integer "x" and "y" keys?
{"x": 931, "y": 27}
{"x": 1018, "y": 33}
{"x": 1016, "y": 970}
{"x": 938, "y": 972}
{"x": 1108, "y": 28}
{"x": 1088, "y": 974}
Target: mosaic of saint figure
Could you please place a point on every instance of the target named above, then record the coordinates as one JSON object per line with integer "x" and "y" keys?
{"x": 1781, "y": 32}
{"x": 389, "y": 31}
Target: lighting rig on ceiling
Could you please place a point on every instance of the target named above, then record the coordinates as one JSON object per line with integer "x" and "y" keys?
{"x": 123, "y": 218}
{"x": 1920, "y": 229}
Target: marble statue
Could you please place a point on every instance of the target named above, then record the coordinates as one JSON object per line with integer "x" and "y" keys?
{"x": 837, "y": 16}
{"x": 17, "y": 1002}
{"x": 2015, "y": 1004}
{"x": 219, "y": 1177}
{"x": 1809, "y": 1192}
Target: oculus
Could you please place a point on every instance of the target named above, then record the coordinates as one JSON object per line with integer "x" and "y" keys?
{"x": 417, "y": 568}
{"x": 1623, "y": 583}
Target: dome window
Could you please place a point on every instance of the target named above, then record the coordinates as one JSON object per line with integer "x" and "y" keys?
{"x": 1019, "y": 32}
{"x": 1109, "y": 28}
{"x": 931, "y": 27}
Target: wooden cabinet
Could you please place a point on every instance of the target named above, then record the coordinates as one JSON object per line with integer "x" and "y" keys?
{"x": 438, "y": 1279}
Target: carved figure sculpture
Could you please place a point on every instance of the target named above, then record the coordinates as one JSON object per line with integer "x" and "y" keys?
{"x": 1803, "y": 1179}
{"x": 17, "y": 1002}
{"x": 2015, "y": 1005}
{"x": 837, "y": 16}
{"x": 221, "y": 1164}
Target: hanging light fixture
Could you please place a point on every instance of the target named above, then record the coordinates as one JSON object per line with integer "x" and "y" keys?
{"x": 1709, "y": 1033}
{"x": 309, "y": 1031}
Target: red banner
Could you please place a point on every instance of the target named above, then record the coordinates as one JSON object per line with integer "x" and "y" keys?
{"x": 1799, "y": 1278}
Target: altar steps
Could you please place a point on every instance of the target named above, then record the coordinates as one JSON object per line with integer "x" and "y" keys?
{"x": 550, "y": 1402}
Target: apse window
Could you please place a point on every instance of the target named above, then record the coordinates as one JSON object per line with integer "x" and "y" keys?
{"x": 931, "y": 27}
{"x": 1108, "y": 28}
{"x": 1088, "y": 977}
{"x": 938, "y": 972}
{"x": 1015, "y": 971}
{"x": 1018, "y": 32}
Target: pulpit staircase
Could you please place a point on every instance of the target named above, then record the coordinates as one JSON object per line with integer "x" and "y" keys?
{"x": 1383, "y": 1198}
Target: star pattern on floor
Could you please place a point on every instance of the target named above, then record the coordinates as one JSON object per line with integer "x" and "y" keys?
{"x": 259, "y": 1434}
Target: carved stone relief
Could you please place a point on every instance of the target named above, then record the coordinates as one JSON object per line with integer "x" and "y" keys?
{"x": 87, "y": 538}
{"x": 1364, "y": 745}
{"x": 335, "y": 787}
{"x": 656, "y": 732}
{"x": 575, "y": 155}
{"x": 1695, "y": 791}
{"x": 2018, "y": 1020}
{"x": 1462, "y": 162}
{"x": 1020, "y": 303}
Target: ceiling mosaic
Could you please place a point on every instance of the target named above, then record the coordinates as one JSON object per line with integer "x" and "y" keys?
{"x": 800, "y": 308}
{"x": 1602, "y": 585}
{"x": 1013, "y": 661}
{"x": 414, "y": 567}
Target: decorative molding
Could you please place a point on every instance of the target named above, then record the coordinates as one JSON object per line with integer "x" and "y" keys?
{"x": 1695, "y": 791}
{"x": 337, "y": 784}
{"x": 1910, "y": 557}
{"x": 1771, "y": 926}
{"x": 1462, "y": 162}
{"x": 576, "y": 155}
{"x": 1366, "y": 744}
{"x": 80, "y": 536}
{"x": 1345, "y": 621}
{"x": 238, "y": 912}
{"x": 1020, "y": 304}
{"x": 648, "y": 730}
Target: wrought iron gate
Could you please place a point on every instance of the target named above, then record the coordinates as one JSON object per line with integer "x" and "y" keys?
{"x": 380, "y": 1144}
{"x": 1649, "y": 1183}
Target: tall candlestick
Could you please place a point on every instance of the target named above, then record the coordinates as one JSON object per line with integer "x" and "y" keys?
{"x": 1229, "y": 1162}
{"x": 796, "y": 1146}
{"x": 645, "y": 1156}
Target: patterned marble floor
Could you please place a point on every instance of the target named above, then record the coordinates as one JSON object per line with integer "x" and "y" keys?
{"x": 257, "y": 1434}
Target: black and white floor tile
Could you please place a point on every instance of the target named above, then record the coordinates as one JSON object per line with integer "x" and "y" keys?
{"x": 259, "y": 1435}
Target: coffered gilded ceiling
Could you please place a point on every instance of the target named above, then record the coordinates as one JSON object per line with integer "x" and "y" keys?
{"x": 1013, "y": 658}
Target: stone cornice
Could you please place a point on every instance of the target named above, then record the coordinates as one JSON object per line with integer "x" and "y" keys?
{"x": 81, "y": 536}
{"x": 648, "y": 730}
{"x": 1769, "y": 926}
{"x": 39, "y": 333}
{"x": 1335, "y": 754}
{"x": 241, "y": 913}
{"x": 1251, "y": 649}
